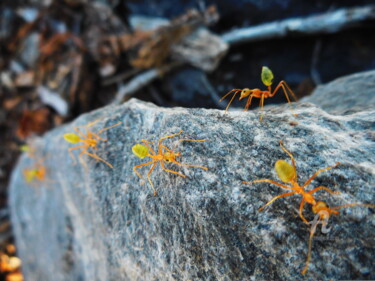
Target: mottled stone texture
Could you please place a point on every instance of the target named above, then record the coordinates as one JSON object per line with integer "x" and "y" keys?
{"x": 102, "y": 224}
{"x": 346, "y": 95}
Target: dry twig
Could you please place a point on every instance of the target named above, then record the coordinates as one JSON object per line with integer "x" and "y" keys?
{"x": 140, "y": 81}
{"x": 329, "y": 22}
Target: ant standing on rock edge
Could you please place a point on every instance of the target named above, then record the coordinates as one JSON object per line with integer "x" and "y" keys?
{"x": 267, "y": 77}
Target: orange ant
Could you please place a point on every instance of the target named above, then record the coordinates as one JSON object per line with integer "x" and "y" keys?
{"x": 38, "y": 173}
{"x": 288, "y": 174}
{"x": 323, "y": 213}
{"x": 161, "y": 156}
{"x": 267, "y": 77}
{"x": 90, "y": 140}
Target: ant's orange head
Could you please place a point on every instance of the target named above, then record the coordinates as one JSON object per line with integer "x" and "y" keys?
{"x": 267, "y": 76}
{"x": 322, "y": 209}
{"x": 140, "y": 150}
{"x": 285, "y": 171}
{"x": 171, "y": 156}
{"x": 245, "y": 93}
{"x": 72, "y": 138}
{"x": 320, "y": 205}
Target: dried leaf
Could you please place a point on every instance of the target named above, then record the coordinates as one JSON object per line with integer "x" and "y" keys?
{"x": 148, "y": 49}
{"x": 33, "y": 122}
{"x": 25, "y": 79}
{"x": 11, "y": 103}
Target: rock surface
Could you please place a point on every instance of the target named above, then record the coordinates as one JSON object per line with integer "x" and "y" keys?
{"x": 346, "y": 95}
{"x": 102, "y": 224}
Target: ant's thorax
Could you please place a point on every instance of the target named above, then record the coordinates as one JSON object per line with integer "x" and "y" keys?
{"x": 171, "y": 156}
{"x": 90, "y": 141}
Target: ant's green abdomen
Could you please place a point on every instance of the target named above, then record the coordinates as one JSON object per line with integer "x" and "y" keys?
{"x": 285, "y": 171}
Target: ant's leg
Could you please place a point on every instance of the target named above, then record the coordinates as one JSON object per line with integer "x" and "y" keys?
{"x": 287, "y": 97}
{"x": 323, "y": 187}
{"x": 97, "y": 158}
{"x": 235, "y": 93}
{"x": 261, "y": 107}
{"x": 81, "y": 160}
{"x": 234, "y": 90}
{"x": 170, "y": 171}
{"x": 79, "y": 132}
{"x": 147, "y": 143}
{"x": 281, "y": 85}
{"x": 269, "y": 181}
{"x": 309, "y": 253}
{"x": 181, "y": 140}
{"x": 166, "y": 137}
{"x": 166, "y": 148}
{"x": 110, "y": 127}
{"x": 85, "y": 126}
{"x": 275, "y": 198}
{"x": 289, "y": 89}
{"x": 71, "y": 153}
{"x": 91, "y": 134}
{"x": 102, "y": 130}
{"x": 353, "y": 205}
{"x": 91, "y": 123}
{"x": 170, "y": 136}
{"x": 189, "y": 165}
{"x": 149, "y": 178}
{"x": 317, "y": 173}
{"x": 290, "y": 155}
{"x": 301, "y": 210}
{"x": 248, "y": 103}
{"x": 231, "y": 100}
{"x": 285, "y": 88}
{"x": 139, "y": 166}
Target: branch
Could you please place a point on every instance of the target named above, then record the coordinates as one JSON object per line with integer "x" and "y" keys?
{"x": 140, "y": 81}
{"x": 329, "y": 22}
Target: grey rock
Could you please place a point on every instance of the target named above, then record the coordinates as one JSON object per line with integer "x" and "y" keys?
{"x": 102, "y": 224}
{"x": 347, "y": 94}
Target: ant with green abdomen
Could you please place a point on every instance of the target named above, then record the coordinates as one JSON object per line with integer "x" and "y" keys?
{"x": 164, "y": 154}
{"x": 90, "y": 140}
{"x": 36, "y": 173}
{"x": 267, "y": 77}
{"x": 288, "y": 174}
